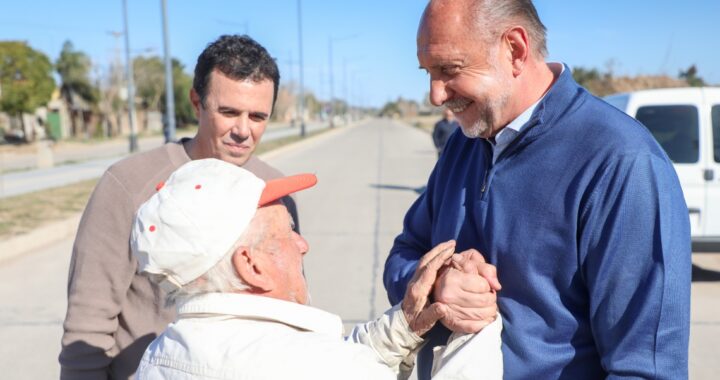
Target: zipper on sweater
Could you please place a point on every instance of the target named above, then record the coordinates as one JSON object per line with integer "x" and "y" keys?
{"x": 484, "y": 182}
{"x": 487, "y": 168}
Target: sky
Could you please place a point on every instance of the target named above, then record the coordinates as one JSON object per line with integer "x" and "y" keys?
{"x": 373, "y": 41}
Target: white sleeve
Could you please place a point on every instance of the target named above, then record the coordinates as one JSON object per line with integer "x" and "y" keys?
{"x": 391, "y": 339}
{"x": 471, "y": 356}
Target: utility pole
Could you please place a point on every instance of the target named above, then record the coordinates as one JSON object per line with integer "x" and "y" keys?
{"x": 130, "y": 83}
{"x": 345, "y": 92}
{"x": 169, "y": 91}
{"x": 301, "y": 105}
{"x": 332, "y": 90}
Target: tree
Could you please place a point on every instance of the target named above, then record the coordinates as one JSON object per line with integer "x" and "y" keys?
{"x": 691, "y": 77}
{"x": 585, "y": 76}
{"x": 149, "y": 80}
{"x": 25, "y": 78}
{"x": 182, "y": 83}
{"x": 74, "y": 69}
{"x": 313, "y": 106}
{"x": 599, "y": 84}
{"x": 285, "y": 104}
{"x": 390, "y": 109}
{"x": 150, "y": 85}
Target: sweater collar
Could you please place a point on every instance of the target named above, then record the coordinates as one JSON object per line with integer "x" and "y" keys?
{"x": 555, "y": 102}
{"x": 262, "y": 308}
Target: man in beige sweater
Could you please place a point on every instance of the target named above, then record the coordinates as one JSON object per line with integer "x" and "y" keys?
{"x": 114, "y": 313}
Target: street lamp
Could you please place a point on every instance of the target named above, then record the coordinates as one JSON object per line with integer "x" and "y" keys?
{"x": 332, "y": 89}
{"x": 301, "y": 107}
{"x": 169, "y": 92}
{"x": 130, "y": 84}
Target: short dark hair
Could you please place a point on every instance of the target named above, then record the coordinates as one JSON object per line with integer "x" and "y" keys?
{"x": 238, "y": 57}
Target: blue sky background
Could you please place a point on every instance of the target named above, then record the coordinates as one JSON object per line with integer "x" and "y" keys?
{"x": 374, "y": 40}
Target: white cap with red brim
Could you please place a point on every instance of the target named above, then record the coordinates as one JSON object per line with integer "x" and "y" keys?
{"x": 197, "y": 216}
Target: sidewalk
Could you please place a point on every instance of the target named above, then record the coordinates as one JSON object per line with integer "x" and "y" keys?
{"x": 31, "y": 156}
{"x": 85, "y": 161}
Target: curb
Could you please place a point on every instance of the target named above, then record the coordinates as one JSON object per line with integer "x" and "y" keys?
{"x": 311, "y": 140}
{"x": 58, "y": 230}
{"x": 38, "y": 238}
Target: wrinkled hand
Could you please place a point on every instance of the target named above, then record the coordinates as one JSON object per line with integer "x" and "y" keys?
{"x": 467, "y": 287}
{"x": 419, "y": 312}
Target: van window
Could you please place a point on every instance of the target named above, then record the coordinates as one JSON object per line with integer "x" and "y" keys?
{"x": 675, "y": 128}
{"x": 715, "y": 116}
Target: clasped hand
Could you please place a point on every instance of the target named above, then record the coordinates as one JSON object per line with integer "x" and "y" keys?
{"x": 462, "y": 285}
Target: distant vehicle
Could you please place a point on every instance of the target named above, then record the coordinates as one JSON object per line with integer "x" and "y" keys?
{"x": 686, "y": 123}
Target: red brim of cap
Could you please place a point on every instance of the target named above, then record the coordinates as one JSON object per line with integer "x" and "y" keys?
{"x": 280, "y": 187}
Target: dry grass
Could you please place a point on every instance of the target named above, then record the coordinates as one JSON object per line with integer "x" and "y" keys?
{"x": 266, "y": 146}
{"x": 425, "y": 123}
{"x": 23, "y": 213}
{"x": 26, "y": 212}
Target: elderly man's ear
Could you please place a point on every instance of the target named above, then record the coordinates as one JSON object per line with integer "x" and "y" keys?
{"x": 517, "y": 43}
{"x": 252, "y": 268}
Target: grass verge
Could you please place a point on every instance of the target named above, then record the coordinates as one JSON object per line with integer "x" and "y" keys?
{"x": 425, "y": 123}
{"x": 23, "y": 213}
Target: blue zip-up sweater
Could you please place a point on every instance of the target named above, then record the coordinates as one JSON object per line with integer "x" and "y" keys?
{"x": 585, "y": 220}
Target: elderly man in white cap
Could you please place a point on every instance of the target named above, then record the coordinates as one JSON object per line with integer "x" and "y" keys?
{"x": 218, "y": 240}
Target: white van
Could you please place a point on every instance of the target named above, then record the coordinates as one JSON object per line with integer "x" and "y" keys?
{"x": 686, "y": 123}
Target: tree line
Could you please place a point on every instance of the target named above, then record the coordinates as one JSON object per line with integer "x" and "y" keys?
{"x": 598, "y": 82}
{"x": 27, "y": 82}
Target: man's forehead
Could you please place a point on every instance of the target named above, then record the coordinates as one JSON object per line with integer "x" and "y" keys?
{"x": 218, "y": 75}
{"x": 446, "y": 35}
{"x": 224, "y": 91}
{"x": 275, "y": 213}
{"x": 440, "y": 54}
{"x": 444, "y": 16}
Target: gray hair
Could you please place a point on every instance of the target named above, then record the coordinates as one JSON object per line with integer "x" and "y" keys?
{"x": 221, "y": 278}
{"x": 498, "y": 15}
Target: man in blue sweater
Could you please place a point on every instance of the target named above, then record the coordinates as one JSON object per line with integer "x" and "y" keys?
{"x": 573, "y": 201}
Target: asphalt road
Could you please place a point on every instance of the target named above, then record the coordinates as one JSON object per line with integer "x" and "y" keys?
{"x": 368, "y": 176}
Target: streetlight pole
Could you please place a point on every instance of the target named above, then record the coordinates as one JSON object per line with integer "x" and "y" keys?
{"x": 345, "y": 92}
{"x": 332, "y": 87}
{"x": 301, "y": 107}
{"x": 169, "y": 92}
{"x": 332, "y": 90}
{"x": 130, "y": 84}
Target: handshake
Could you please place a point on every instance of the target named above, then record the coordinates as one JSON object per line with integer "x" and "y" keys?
{"x": 463, "y": 288}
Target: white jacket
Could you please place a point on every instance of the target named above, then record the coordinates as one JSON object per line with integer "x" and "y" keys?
{"x": 235, "y": 336}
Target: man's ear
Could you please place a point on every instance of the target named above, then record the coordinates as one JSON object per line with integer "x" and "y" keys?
{"x": 195, "y": 100}
{"x": 517, "y": 41}
{"x": 251, "y": 269}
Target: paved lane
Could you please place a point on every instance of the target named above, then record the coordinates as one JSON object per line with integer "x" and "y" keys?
{"x": 32, "y": 295}
{"x": 367, "y": 178}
